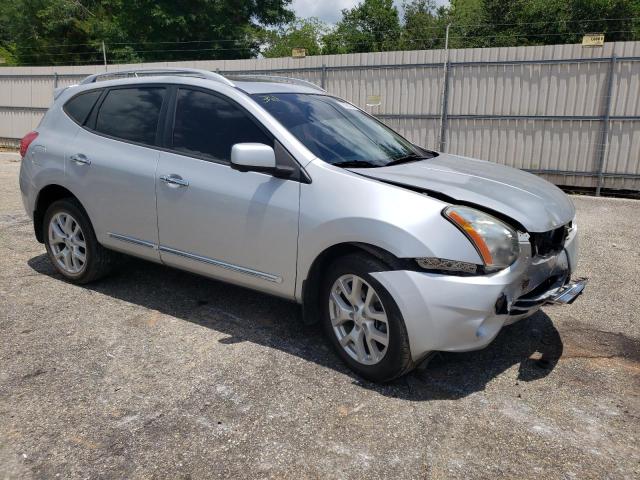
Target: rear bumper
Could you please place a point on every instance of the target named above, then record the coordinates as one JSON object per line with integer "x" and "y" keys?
{"x": 457, "y": 313}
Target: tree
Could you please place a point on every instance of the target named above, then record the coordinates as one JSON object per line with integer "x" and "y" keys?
{"x": 302, "y": 33}
{"x": 50, "y": 32}
{"x": 71, "y": 31}
{"x": 37, "y": 31}
{"x": 489, "y": 23}
{"x": 424, "y": 25}
{"x": 371, "y": 26}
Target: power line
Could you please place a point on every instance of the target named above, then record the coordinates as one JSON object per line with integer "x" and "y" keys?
{"x": 439, "y": 27}
{"x": 545, "y": 22}
{"x": 250, "y": 44}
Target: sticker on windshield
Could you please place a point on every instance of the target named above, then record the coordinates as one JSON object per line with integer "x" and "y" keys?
{"x": 269, "y": 98}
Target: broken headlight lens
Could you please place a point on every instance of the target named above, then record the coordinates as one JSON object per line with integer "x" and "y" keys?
{"x": 496, "y": 242}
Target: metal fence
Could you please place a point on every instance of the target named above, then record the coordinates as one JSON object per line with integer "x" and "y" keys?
{"x": 568, "y": 113}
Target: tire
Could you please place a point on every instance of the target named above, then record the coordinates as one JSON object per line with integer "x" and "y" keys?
{"x": 60, "y": 237}
{"x": 371, "y": 360}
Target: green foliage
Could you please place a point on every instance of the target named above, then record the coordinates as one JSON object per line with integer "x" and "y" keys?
{"x": 488, "y": 23}
{"x": 302, "y": 33}
{"x": 63, "y": 31}
{"x": 49, "y": 32}
{"x": 424, "y": 25}
{"x": 481, "y": 23}
{"x": 371, "y": 26}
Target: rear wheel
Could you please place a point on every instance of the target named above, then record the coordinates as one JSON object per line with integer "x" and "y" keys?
{"x": 363, "y": 321}
{"x": 71, "y": 243}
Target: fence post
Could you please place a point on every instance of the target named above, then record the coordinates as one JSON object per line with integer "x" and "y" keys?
{"x": 104, "y": 56}
{"x": 55, "y": 79}
{"x": 602, "y": 153}
{"x": 445, "y": 92}
{"x": 444, "y": 107}
{"x": 323, "y": 77}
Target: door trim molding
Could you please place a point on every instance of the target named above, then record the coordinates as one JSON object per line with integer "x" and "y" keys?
{"x": 135, "y": 241}
{"x": 199, "y": 258}
{"x": 219, "y": 263}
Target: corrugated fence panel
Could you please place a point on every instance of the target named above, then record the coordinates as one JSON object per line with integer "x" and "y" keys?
{"x": 528, "y": 89}
{"x": 528, "y": 144}
{"x": 538, "y": 108}
{"x": 14, "y": 123}
{"x": 626, "y": 89}
{"x": 419, "y": 131}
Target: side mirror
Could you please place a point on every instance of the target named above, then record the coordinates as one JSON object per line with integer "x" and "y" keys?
{"x": 257, "y": 157}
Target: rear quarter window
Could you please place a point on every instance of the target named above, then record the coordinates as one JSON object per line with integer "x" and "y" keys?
{"x": 79, "y": 107}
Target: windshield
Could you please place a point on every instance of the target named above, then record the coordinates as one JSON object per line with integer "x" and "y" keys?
{"x": 339, "y": 133}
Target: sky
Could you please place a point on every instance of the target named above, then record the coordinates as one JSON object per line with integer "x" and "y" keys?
{"x": 330, "y": 10}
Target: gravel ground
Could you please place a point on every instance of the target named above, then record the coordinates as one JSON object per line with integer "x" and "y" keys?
{"x": 156, "y": 373}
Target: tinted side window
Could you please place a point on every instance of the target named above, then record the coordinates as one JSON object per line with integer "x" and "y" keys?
{"x": 131, "y": 114}
{"x": 209, "y": 125}
{"x": 79, "y": 106}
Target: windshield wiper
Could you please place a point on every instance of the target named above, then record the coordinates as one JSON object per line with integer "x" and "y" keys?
{"x": 355, "y": 164}
{"x": 412, "y": 157}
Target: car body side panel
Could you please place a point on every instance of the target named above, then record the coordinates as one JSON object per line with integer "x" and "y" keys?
{"x": 240, "y": 227}
{"x": 44, "y": 163}
{"x": 341, "y": 206}
{"x": 118, "y": 192}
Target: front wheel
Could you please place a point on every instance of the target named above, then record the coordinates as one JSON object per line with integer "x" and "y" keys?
{"x": 363, "y": 321}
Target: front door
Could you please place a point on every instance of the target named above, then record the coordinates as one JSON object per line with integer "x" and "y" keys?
{"x": 241, "y": 227}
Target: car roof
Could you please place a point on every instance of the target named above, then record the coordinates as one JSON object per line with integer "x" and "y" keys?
{"x": 249, "y": 83}
{"x": 253, "y": 87}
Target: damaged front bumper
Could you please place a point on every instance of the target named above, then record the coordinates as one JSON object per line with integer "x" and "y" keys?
{"x": 462, "y": 313}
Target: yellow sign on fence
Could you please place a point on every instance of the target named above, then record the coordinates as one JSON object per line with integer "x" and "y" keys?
{"x": 374, "y": 100}
{"x": 298, "y": 52}
{"x": 593, "y": 40}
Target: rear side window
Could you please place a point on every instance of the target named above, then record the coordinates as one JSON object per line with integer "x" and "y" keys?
{"x": 80, "y": 106}
{"x": 131, "y": 114}
{"x": 208, "y": 125}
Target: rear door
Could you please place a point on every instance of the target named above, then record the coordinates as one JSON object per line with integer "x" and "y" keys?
{"x": 112, "y": 166}
{"x": 237, "y": 226}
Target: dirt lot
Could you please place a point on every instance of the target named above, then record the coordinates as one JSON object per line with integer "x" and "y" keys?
{"x": 155, "y": 373}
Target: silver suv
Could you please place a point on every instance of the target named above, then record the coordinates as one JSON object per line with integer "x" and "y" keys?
{"x": 275, "y": 185}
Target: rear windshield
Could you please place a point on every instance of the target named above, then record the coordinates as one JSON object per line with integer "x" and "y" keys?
{"x": 339, "y": 133}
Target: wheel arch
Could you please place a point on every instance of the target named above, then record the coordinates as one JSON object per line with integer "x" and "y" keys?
{"x": 46, "y": 196}
{"x": 311, "y": 284}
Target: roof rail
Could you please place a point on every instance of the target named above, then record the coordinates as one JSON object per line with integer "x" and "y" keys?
{"x": 274, "y": 78}
{"x": 146, "y": 72}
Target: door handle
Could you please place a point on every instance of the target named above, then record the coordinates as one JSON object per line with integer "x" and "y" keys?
{"x": 176, "y": 180}
{"x": 80, "y": 159}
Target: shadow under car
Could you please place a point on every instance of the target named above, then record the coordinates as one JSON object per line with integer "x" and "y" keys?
{"x": 248, "y": 316}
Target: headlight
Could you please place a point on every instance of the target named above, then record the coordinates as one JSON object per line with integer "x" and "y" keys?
{"x": 496, "y": 242}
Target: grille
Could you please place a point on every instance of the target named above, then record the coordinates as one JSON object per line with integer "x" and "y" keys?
{"x": 550, "y": 242}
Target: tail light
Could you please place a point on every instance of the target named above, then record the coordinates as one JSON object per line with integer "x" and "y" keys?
{"x": 26, "y": 141}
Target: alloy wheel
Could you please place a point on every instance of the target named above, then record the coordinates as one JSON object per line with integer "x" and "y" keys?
{"x": 67, "y": 243}
{"x": 359, "y": 320}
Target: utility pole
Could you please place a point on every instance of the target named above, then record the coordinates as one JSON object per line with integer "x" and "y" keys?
{"x": 104, "y": 56}
{"x": 446, "y": 39}
{"x": 445, "y": 91}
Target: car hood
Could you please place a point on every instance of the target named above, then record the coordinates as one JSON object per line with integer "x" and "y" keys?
{"x": 536, "y": 204}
